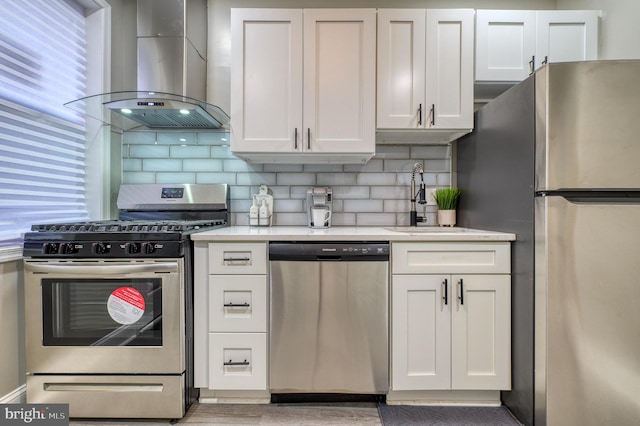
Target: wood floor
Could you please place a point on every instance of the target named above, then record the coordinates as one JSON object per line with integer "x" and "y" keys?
{"x": 351, "y": 414}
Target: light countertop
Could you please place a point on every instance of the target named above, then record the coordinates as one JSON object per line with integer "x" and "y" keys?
{"x": 350, "y": 233}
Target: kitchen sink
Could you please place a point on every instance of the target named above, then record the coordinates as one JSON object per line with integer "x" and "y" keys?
{"x": 427, "y": 229}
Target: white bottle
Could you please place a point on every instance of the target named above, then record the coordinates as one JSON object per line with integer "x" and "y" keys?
{"x": 254, "y": 213}
{"x": 263, "y": 214}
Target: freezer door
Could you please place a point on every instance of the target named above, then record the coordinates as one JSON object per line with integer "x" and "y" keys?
{"x": 587, "y": 313}
{"x": 587, "y": 125}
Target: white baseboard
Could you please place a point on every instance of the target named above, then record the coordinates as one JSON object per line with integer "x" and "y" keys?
{"x": 18, "y": 396}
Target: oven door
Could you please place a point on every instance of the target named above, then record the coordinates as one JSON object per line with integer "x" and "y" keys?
{"x": 105, "y": 316}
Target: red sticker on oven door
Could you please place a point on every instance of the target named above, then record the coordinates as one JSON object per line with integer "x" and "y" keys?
{"x": 125, "y": 305}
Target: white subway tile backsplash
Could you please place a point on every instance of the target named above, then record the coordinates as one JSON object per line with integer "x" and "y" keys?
{"x": 142, "y": 138}
{"x": 296, "y": 179}
{"x": 202, "y": 165}
{"x": 176, "y": 138}
{"x": 190, "y": 152}
{"x": 330, "y": 179}
{"x": 375, "y": 219}
{"x": 372, "y": 194}
{"x": 228, "y": 178}
{"x": 363, "y": 205}
{"x": 257, "y": 178}
{"x": 131, "y": 164}
{"x": 161, "y": 165}
{"x": 213, "y": 138}
{"x": 148, "y": 151}
{"x": 373, "y": 179}
{"x": 138, "y": 177}
{"x": 175, "y": 177}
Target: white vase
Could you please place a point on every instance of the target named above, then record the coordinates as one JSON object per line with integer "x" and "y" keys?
{"x": 446, "y": 217}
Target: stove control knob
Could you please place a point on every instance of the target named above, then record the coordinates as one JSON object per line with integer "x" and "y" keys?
{"x": 148, "y": 248}
{"x": 50, "y": 248}
{"x": 100, "y": 248}
{"x": 132, "y": 248}
{"x": 68, "y": 248}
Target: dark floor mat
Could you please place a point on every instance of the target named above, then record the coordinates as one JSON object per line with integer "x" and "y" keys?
{"x": 409, "y": 415}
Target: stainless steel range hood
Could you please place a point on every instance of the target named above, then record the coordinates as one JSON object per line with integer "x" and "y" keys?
{"x": 171, "y": 76}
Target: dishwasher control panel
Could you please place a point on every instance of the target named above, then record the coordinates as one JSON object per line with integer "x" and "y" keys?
{"x": 337, "y": 251}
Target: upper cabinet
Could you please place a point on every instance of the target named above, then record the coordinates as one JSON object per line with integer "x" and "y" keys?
{"x": 425, "y": 73}
{"x": 512, "y": 44}
{"x": 303, "y": 85}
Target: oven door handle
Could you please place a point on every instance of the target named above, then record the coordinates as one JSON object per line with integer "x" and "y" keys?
{"x": 161, "y": 267}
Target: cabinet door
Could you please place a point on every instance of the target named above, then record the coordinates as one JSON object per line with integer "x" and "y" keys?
{"x": 566, "y": 36}
{"x": 420, "y": 334}
{"x": 266, "y": 80}
{"x": 481, "y": 332}
{"x": 401, "y": 73}
{"x": 339, "y": 80}
{"x": 505, "y": 44}
{"x": 449, "y": 84}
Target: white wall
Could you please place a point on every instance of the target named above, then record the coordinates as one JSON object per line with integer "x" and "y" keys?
{"x": 619, "y": 29}
{"x": 12, "y": 360}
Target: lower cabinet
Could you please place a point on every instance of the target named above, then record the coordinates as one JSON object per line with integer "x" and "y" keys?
{"x": 451, "y": 331}
{"x": 237, "y": 317}
{"x": 238, "y": 361}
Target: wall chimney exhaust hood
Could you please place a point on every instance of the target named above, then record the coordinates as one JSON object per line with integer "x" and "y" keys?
{"x": 171, "y": 76}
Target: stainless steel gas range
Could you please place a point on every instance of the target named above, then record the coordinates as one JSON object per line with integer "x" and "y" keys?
{"x": 109, "y": 305}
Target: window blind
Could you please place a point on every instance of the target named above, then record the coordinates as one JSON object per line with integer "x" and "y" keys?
{"x": 42, "y": 143}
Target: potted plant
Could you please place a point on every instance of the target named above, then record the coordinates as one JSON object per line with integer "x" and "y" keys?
{"x": 447, "y": 200}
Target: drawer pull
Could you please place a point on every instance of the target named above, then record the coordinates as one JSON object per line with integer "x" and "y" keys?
{"x": 233, "y": 363}
{"x": 237, "y": 305}
{"x": 236, "y": 259}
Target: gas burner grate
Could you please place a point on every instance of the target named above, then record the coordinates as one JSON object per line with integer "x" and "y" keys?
{"x": 130, "y": 226}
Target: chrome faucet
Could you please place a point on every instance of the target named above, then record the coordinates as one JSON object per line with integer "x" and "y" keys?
{"x": 419, "y": 196}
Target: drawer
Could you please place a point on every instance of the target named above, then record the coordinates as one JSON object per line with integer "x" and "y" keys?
{"x": 451, "y": 258}
{"x": 238, "y": 361}
{"x": 238, "y": 258}
{"x": 238, "y": 303}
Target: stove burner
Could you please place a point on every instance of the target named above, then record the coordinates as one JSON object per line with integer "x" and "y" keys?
{"x": 129, "y": 226}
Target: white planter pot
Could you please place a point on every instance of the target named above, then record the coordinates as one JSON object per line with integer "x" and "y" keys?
{"x": 446, "y": 217}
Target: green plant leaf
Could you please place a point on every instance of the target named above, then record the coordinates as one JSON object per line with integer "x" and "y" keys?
{"x": 447, "y": 198}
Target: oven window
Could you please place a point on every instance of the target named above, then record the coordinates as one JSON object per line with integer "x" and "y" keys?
{"x": 104, "y": 312}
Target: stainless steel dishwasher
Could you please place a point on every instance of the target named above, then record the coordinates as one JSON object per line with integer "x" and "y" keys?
{"x": 329, "y": 317}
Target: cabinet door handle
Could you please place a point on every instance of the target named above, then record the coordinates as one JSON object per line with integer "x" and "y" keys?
{"x": 295, "y": 138}
{"x": 546, "y": 60}
{"x": 236, "y": 305}
{"x": 245, "y": 362}
{"x": 461, "y": 295}
{"x": 433, "y": 114}
{"x": 532, "y": 64}
{"x": 309, "y": 138}
{"x": 420, "y": 115}
{"x": 446, "y": 291}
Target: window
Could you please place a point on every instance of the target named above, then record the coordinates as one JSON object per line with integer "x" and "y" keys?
{"x": 42, "y": 143}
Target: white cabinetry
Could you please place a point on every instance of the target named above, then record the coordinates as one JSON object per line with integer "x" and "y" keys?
{"x": 237, "y": 316}
{"x": 425, "y": 72}
{"x": 511, "y": 44}
{"x": 303, "y": 85}
{"x": 451, "y": 315}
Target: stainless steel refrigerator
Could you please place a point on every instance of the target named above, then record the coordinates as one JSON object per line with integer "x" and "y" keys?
{"x": 556, "y": 160}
